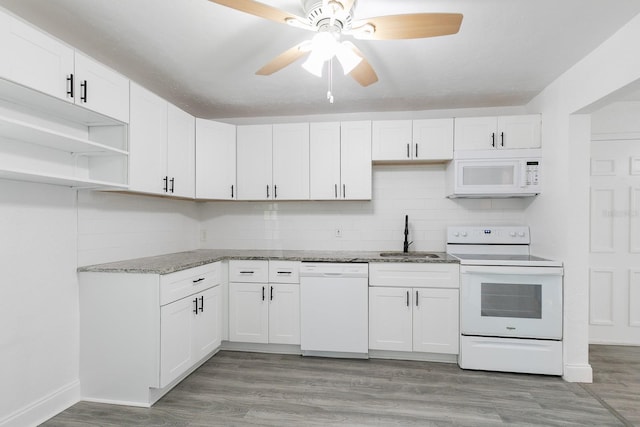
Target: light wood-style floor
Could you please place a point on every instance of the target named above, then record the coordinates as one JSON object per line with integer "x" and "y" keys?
{"x": 238, "y": 389}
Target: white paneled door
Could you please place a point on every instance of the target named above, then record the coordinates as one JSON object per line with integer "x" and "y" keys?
{"x": 614, "y": 271}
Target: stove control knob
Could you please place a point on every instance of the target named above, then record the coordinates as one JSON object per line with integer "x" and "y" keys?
{"x": 512, "y": 234}
{"x": 464, "y": 234}
{"x": 521, "y": 234}
{"x": 456, "y": 234}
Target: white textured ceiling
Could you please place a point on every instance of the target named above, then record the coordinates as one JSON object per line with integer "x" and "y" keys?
{"x": 203, "y": 56}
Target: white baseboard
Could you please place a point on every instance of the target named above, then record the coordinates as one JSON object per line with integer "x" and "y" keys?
{"x": 44, "y": 408}
{"x": 578, "y": 373}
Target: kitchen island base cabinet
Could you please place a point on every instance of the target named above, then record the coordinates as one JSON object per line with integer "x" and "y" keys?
{"x": 140, "y": 334}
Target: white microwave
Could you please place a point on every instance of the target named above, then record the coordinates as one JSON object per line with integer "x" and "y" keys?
{"x": 494, "y": 173}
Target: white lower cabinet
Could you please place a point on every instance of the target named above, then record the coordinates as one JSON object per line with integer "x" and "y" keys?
{"x": 416, "y": 318}
{"x": 261, "y": 311}
{"x": 141, "y": 333}
{"x": 189, "y": 330}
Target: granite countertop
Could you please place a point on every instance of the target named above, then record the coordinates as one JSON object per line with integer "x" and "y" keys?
{"x": 170, "y": 263}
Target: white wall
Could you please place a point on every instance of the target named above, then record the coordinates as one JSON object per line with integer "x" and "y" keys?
{"x": 417, "y": 191}
{"x": 47, "y": 231}
{"x": 560, "y": 216}
{"x": 113, "y": 227}
{"x": 38, "y": 302}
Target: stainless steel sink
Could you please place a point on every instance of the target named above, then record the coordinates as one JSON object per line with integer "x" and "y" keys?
{"x": 409, "y": 255}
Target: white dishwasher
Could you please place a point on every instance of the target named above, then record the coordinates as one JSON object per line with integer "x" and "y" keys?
{"x": 334, "y": 309}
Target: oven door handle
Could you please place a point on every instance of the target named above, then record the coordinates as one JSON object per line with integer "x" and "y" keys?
{"x": 513, "y": 270}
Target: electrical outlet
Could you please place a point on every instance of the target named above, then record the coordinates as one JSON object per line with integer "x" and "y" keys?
{"x": 338, "y": 232}
{"x": 203, "y": 235}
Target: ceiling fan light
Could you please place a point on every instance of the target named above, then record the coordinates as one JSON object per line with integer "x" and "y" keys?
{"x": 314, "y": 64}
{"x": 324, "y": 45}
{"x": 347, "y": 57}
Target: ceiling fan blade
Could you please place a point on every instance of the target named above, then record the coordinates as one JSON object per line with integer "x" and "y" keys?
{"x": 347, "y": 4}
{"x": 285, "y": 58}
{"x": 259, "y": 9}
{"x": 363, "y": 73}
{"x": 411, "y": 26}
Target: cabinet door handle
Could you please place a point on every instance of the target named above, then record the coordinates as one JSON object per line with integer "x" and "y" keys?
{"x": 70, "y": 87}
{"x": 502, "y": 139}
{"x": 416, "y": 153}
{"x": 417, "y": 299}
{"x": 344, "y": 191}
{"x": 166, "y": 184}
{"x": 335, "y": 190}
{"x": 83, "y": 91}
{"x": 271, "y": 294}
{"x": 407, "y": 298}
{"x": 408, "y": 155}
{"x": 195, "y": 310}
{"x": 232, "y": 191}
{"x": 263, "y": 293}
{"x": 201, "y": 303}
{"x": 275, "y": 191}
{"x": 172, "y": 180}
{"x": 267, "y": 191}
{"x": 493, "y": 140}
{"x": 198, "y": 280}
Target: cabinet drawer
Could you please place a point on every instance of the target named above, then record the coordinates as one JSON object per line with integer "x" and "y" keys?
{"x": 284, "y": 272}
{"x": 249, "y": 271}
{"x": 178, "y": 285}
{"x": 426, "y": 275}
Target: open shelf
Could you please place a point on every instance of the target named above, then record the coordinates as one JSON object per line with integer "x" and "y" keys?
{"x": 27, "y": 99}
{"x": 66, "y": 181}
{"x": 21, "y": 131}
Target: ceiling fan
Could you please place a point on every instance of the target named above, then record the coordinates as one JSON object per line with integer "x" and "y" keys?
{"x": 331, "y": 19}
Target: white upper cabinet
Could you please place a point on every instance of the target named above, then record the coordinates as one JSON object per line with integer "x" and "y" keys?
{"x": 273, "y": 162}
{"x": 34, "y": 59}
{"x": 38, "y": 61}
{"x": 433, "y": 139}
{"x": 44, "y": 136}
{"x": 100, "y": 89}
{"x": 181, "y": 140}
{"x": 392, "y": 140}
{"x": 340, "y": 166}
{"x": 324, "y": 168}
{"x": 215, "y": 160}
{"x": 254, "y": 167}
{"x": 147, "y": 141}
{"x": 291, "y": 161}
{"x": 504, "y": 132}
{"x": 162, "y": 143}
{"x": 407, "y": 140}
{"x": 355, "y": 159}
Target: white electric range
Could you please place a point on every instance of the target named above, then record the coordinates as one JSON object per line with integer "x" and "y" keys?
{"x": 511, "y": 302}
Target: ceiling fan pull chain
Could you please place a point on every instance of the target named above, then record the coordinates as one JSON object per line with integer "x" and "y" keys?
{"x": 330, "y": 74}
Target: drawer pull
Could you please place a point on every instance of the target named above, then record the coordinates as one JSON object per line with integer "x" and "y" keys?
{"x": 285, "y": 272}
{"x": 198, "y": 280}
{"x": 247, "y": 272}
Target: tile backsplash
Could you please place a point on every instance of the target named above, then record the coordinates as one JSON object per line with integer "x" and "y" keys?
{"x": 414, "y": 190}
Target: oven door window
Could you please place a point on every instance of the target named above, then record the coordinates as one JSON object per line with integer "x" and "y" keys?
{"x": 522, "y": 301}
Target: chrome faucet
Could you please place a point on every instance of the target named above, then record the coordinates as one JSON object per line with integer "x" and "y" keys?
{"x": 406, "y": 234}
